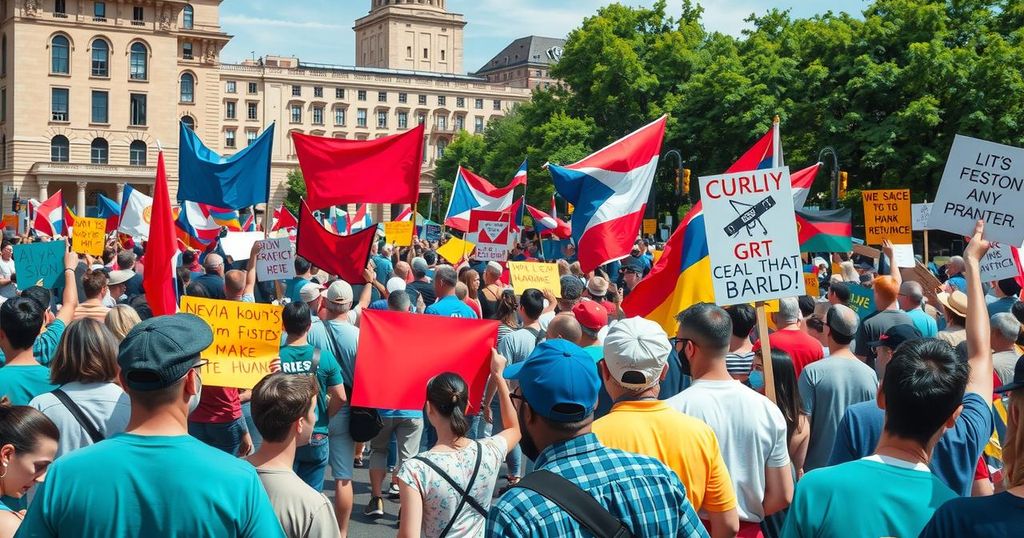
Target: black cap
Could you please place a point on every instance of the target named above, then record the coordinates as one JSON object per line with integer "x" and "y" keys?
{"x": 572, "y": 287}
{"x": 896, "y": 335}
{"x": 160, "y": 351}
{"x": 1018, "y": 378}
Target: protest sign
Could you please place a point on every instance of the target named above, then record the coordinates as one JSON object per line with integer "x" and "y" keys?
{"x": 982, "y": 181}
{"x": 650, "y": 226}
{"x": 903, "y": 256}
{"x": 887, "y": 216}
{"x": 862, "y": 300}
{"x": 542, "y": 276}
{"x": 920, "y": 274}
{"x": 246, "y": 337}
{"x": 238, "y": 245}
{"x": 89, "y": 236}
{"x": 39, "y": 263}
{"x": 491, "y": 231}
{"x": 275, "y": 261}
{"x": 864, "y": 250}
{"x": 432, "y": 232}
{"x": 11, "y": 222}
{"x": 455, "y": 250}
{"x": 998, "y": 263}
{"x": 752, "y": 236}
{"x": 399, "y": 233}
{"x": 811, "y": 285}
{"x": 919, "y": 216}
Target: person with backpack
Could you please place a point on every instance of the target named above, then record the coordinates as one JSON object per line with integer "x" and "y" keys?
{"x": 447, "y": 490}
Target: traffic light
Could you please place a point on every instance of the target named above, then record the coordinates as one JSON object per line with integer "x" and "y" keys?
{"x": 686, "y": 181}
{"x": 843, "y": 183}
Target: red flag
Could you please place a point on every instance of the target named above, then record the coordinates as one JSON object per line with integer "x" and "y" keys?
{"x": 283, "y": 219}
{"x": 379, "y": 171}
{"x": 158, "y": 279}
{"x": 342, "y": 255}
{"x": 392, "y": 373}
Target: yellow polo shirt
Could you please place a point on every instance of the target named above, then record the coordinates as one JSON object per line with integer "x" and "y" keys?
{"x": 685, "y": 444}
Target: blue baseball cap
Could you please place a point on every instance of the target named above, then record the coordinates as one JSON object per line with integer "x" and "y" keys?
{"x": 559, "y": 380}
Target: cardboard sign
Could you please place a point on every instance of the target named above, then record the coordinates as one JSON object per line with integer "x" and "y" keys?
{"x": 238, "y": 245}
{"x": 863, "y": 250}
{"x": 811, "y": 285}
{"x": 455, "y": 250}
{"x": 887, "y": 216}
{"x": 650, "y": 226}
{"x": 432, "y": 232}
{"x": 246, "y": 337}
{"x": 491, "y": 229}
{"x": 39, "y": 263}
{"x": 903, "y": 256}
{"x": 919, "y": 214}
{"x": 982, "y": 181}
{"x": 998, "y": 263}
{"x": 275, "y": 260}
{"x": 862, "y": 300}
{"x": 89, "y": 236}
{"x": 752, "y": 238}
{"x": 399, "y": 233}
{"x": 920, "y": 274}
{"x": 542, "y": 276}
{"x": 11, "y": 222}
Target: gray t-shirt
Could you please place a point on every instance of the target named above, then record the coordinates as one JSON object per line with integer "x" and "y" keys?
{"x": 872, "y": 328}
{"x": 105, "y": 405}
{"x": 518, "y": 344}
{"x": 344, "y": 338}
{"x": 6, "y": 270}
{"x": 302, "y": 511}
{"x": 827, "y": 388}
{"x": 1004, "y": 363}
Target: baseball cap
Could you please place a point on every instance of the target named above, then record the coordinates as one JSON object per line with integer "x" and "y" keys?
{"x": 632, "y": 264}
{"x": 1018, "y": 378}
{"x": 572, "y": 287}
{"x": 590, "y": 315}
{"x": 897, "y": 335}
{"x": 635, "y": 352}
{"x": 339, "y": 292}
{"x": 597, "y": 286}
{"x": 419, "y": 265}
{"x": 395, "y": 283}
{"x": 310, "y": 292}
{"x": 159, "y": 351}
{"x": 559, "y": 380}
{"x": 120, "y": 277}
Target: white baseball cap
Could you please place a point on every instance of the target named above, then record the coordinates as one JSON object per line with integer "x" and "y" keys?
{"x": 635, "y": 352}
{"x": 395, "y": 283}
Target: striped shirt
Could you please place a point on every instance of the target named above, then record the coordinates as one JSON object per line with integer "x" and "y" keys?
{"x": 739, "y": 363}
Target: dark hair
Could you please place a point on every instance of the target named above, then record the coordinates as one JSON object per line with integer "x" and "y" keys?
{"x": 923, "y": 385}
{"x": 40, "y": 294}
{"x": 708, "y": 325}
{"x": 1017, "y": 309}
{"x": 87, "y": 353}
{"x": 506, "y": 309}
{"x": 22, "y": 426}
{"x": 532, "y": 302}
{"x": 743, "y": 317}
{"x": 93, "y": 283}
{"x": 399, "y": 301}
{"x": 141, "y": 306}
{"x": 302, "y": 265}
{"x": 125, "y": 259}
{"x": 280, "y": 399}
{"x": 806, "y": 303}
{"x": 188, "y": 257}
{"x": 430, "y": 257}
{"x": 787, "y": 396}
{"x": 952, "y": 318}
{"x": 449, "y": 395}
{"x": 841, "y": 291}
{"x": 296, "y": 318}
{"x": 155, "y": 399}
{"x": 21, "y": 319}
{"x": 839, "y": 337}
{"x": 1009, "y": 286}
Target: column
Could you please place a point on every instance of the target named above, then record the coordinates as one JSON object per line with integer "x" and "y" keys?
{"x": 120, "y": 192}
{"x": 80, "y": 206}
{"x": 43, "y": 195}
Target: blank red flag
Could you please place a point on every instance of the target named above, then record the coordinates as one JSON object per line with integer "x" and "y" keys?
{"x": 161, "y": 248}
{"x": 344, "y": 256}
{"x": 399, "y": 352}
{"x": 379, "y": 171}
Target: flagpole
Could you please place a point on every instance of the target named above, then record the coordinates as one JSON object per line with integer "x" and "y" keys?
{"x": 412, "y": 233}
{"x": 926, "y": 240}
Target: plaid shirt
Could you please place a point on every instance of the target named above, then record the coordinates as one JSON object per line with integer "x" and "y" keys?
{"x": 640, "y": 491}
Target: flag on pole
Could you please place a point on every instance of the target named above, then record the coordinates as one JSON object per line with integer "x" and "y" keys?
{"x": 50, "y": 216}
{"x": 355, "y": 223}
{"x": 547, "y": 225}
{"x": 345, "y": 256}
{"x": 472, "y": 192}
{"x": 802, "y": 181}
{"x": 765, "y": 153}
{"x": 609, "y": 190}
{"x": 136, "y": 209}
{"x": 824, "y": 231}
{"x": 69, "y": 220}
{"x": 234, "y": 182}
{"x": 283, "y": 219}
{"x": 250, "y": 224}
{"x": 195, "y": 220}
{"x": 158, "y": 279}
{"x": 406, "y": 214}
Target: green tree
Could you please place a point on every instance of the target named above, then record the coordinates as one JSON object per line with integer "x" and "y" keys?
{"x": 296, "y": 190}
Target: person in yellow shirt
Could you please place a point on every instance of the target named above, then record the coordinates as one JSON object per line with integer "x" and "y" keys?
{"x": 636, "y": 352}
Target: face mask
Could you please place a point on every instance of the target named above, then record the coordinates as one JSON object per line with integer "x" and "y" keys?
{"x": 529, "y": 447}
{"x": 684, "y": 362}
{"x": 193, "y": 401}
{"x": 756, "y": 380}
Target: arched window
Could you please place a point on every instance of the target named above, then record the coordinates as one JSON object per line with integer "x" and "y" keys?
{"x": 60, "y": 55}
{"x": 100, "y": 58}
{"x": 188, "y": 88}
{"x": 60, "y": 149}
{"x": 98, "y": 151}
{"x": 138, "y": 67}
{"x": 187, "y": 18}
{"x": 189, "y": 122}
{"x": 137, "y": 153}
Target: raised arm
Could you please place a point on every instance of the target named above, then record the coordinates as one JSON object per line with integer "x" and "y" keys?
{"x": 69, "y": 301}
{"x": 509, "y": 419}
{"x": 979, "y": 346}
{"x": 250, "y": 270}
{"x": 888, "y": 248}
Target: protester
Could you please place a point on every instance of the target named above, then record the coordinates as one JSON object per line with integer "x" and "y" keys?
{"x": 471, "y": 278}
{"x": 422, "y": 284}
{"x": 490, "y": 294}
{"x": 448, "y": 488}
{"x": 887, "y": 314}
{"x": 1005, "y": 332}
{"x": 838, "y": 293}
{"x": 21, "y": 378}
{"x": 381, "y": 259}
{"x": 213, "y": 278}
{"x": 592, "y": 319}
{"x": 750, "y": 428}
{"x": 741, "y": 349}
{"x": 559, "y": 384}
{"x": 303, "y": 276}
{"x": 955, "y": 311}
{"x": 45, "y": 342}
{"x": 632, "y": 272}
{"x": 284, "y": 410}
{"x": 508, "y": 316}
{"x": 955, "y": 280}
{"x": 91, "y": 406}
{"x": 912, "y": 301}
{"x": 120, "y": 321}
{"x": 1005, "y": 293}
{"x": 564, "y": 327}
{"x": 28, "y": 445}
{"x": 571, "y": 289}
{"x": 789, "y": 337}
{"x": 94, "y": 283}
{"x": 133, "y": 285}
{"x": 149, "y": 474}
{"x": 787, "y": 397}
{"x": 447, "y": 304}
{"x": 634, "y": 364}
{"x": 597, "y": 291}
{"x": 117, "y": 284}
{"x": 8, "y": 288}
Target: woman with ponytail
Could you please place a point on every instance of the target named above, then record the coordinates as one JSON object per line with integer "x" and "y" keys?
{"x": 28, "y": 445}
{"x": 447, "y": 490}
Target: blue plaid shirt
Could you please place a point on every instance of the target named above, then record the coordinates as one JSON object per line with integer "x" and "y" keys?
{"x": 640, "y": 491}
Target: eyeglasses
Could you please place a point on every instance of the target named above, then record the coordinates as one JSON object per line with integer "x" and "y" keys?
{"x": 679, "y": 343}
{"x": 516, "y": 397}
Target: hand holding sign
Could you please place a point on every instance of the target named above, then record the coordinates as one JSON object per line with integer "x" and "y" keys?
{"x": 978, "y": 247}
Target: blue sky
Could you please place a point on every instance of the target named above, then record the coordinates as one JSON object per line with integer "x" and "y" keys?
{"x": 321, "y": 30}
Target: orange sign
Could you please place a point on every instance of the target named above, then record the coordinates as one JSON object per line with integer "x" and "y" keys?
{"x": 887, "y": 215}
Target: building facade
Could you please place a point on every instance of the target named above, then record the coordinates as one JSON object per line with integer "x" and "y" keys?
{"x": 524, "y": 63}
{"x": 90, "y": 90}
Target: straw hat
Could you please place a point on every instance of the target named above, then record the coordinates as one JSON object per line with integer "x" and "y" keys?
{"x": 956, "y": 301}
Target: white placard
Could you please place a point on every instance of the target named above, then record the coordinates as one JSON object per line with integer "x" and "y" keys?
{"x": 903, "y": 256}
{"x": 998, "y": 263}
{"x": 982, "y": 181}
{"x": 239, "y": 244}
{"x": 919, "y": 216}
{"x": 752, "y": 239}
{"x": 275, "y": 260}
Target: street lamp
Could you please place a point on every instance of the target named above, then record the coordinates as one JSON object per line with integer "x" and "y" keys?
{"x": 835, "y": 172}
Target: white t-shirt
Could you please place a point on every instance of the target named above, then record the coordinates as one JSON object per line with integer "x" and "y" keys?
{"x": 105, "y": 405}
{"x": 6, "y": 270}
{"x": 751, "y": 431}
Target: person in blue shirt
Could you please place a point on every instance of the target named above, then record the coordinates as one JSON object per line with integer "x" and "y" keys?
{"x": 303, "y": 276}
{"x": 1005, "y": 292}
{"x": 911, "y": 299}
{"x": 955, "y": 274}
{"x": 448, "y": 304}
{"x": 154, "y": 479}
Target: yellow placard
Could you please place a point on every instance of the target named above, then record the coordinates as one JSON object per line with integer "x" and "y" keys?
{"x": 837, "y": 269}
{"x": 650, "y": 226}
{"x": 811, "y": 283}
{"x": 89, "y": 235}
{"x": 246, "y": 337}
{"x": 542, "y": 276}
{"x": 399, "y": 233}
{"x": 887, "y": 215}
{"x": 455, "y": 250}
{"x": 657, "y": 254}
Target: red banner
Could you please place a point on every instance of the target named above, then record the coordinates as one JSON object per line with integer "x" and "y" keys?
{"x": 344, "y": 256}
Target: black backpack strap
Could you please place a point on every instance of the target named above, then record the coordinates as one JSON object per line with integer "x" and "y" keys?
{"x": 579, "y": 504}
{"x": 76, "y": 412}
{"x": 464, "y": 492}
{"x": 537, "y": 334}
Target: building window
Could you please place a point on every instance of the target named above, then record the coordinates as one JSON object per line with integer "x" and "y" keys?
{"x": 361, "y": 95}
{"x": 230, "y": 111}
{"x": 253, "y": 89}
{"x": 188, "y": 18}
{"x": 3, "y": 105}
{"x": 189, "y": 122}
{"x": 250, "y": 136}
{"x": 60, "y": 149}
{"x": 426, "y": 54}
{"x": 361, "y": 117}
{"x": 318, "y": 91}
{"x": 186, "y": 51}
{"x": 139, "y": 70}
{"x": 460, "y": 102}
{"x": 479, "y": 104}
{"x": 137, "y": 110}
{"x": 403, "y": 97}
{"x": 59, "y": 104}
{"x": 408, "y": 52}
{"x": 339, "y": 93}
{"x": 403, "y": 120}
{"x": 251, "y": 111}
{"x": 100, "y": 107}
{"x": 99, "y": 10}
{"x": 422, "y": 99}
{"x": 442, "y": 55}
{"x": 442, "y": 123}
{"x": 138, "y": 15}
{"x": 60, "y": 8}
{"x": 442, "y": 100}
{"x": 318, "y": 115}
{"x": 100, "y": 58}
{"x": 3, "y": 57}
{"x": 421, "y": 118}
{"x": 339, "y": 116}
{"x": 137, "y": 153}
{"x": 230, "y": 86}
{"x": 229, "y": 138}
{"x": 497, "y": 104}
{"x": 478, "y": 124}
{"x": 188, "y": 88}
{"x": 98, "y": 151}
{"x": 460, "y": 123}
{"x": 382, "y": 119}
{"x": 296, "y": 114}
{"x": 382, "y": 97}
{"x": 296, "y": 91}
{"x": 60, "y": 55}
{"x": 441, "y": 145}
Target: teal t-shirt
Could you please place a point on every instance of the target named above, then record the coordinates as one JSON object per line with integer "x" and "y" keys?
{"x": 293, "y": 287}
{"x": 22, "y": 383}
{"x": 132, "y": 485}
{"x": 299, "y": 360}
{"x": 865, "y": 498}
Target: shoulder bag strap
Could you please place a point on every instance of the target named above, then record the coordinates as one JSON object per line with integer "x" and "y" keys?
{"x": 76, "y": 412}
{"x": 537, "y": 334}
{"x": 579, "y": 504}
{"x": 464, "y": 492}
{"x": 316, "y": 361}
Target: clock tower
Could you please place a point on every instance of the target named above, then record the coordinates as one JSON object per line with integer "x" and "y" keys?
{"x": 412, "y": 35}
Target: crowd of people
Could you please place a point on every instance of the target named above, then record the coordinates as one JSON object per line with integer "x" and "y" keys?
{"x": 903, "y": 421}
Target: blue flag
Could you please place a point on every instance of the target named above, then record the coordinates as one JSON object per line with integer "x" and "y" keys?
{"x": 234, "y": 182}
{"x": 107, "y": 208}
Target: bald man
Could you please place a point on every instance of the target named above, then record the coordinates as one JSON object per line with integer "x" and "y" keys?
{"x": 213, "y": 279}
{"x": 565, "y": 327}
{"x": 912, "y": 301}
{"x": 402, "y": 270}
